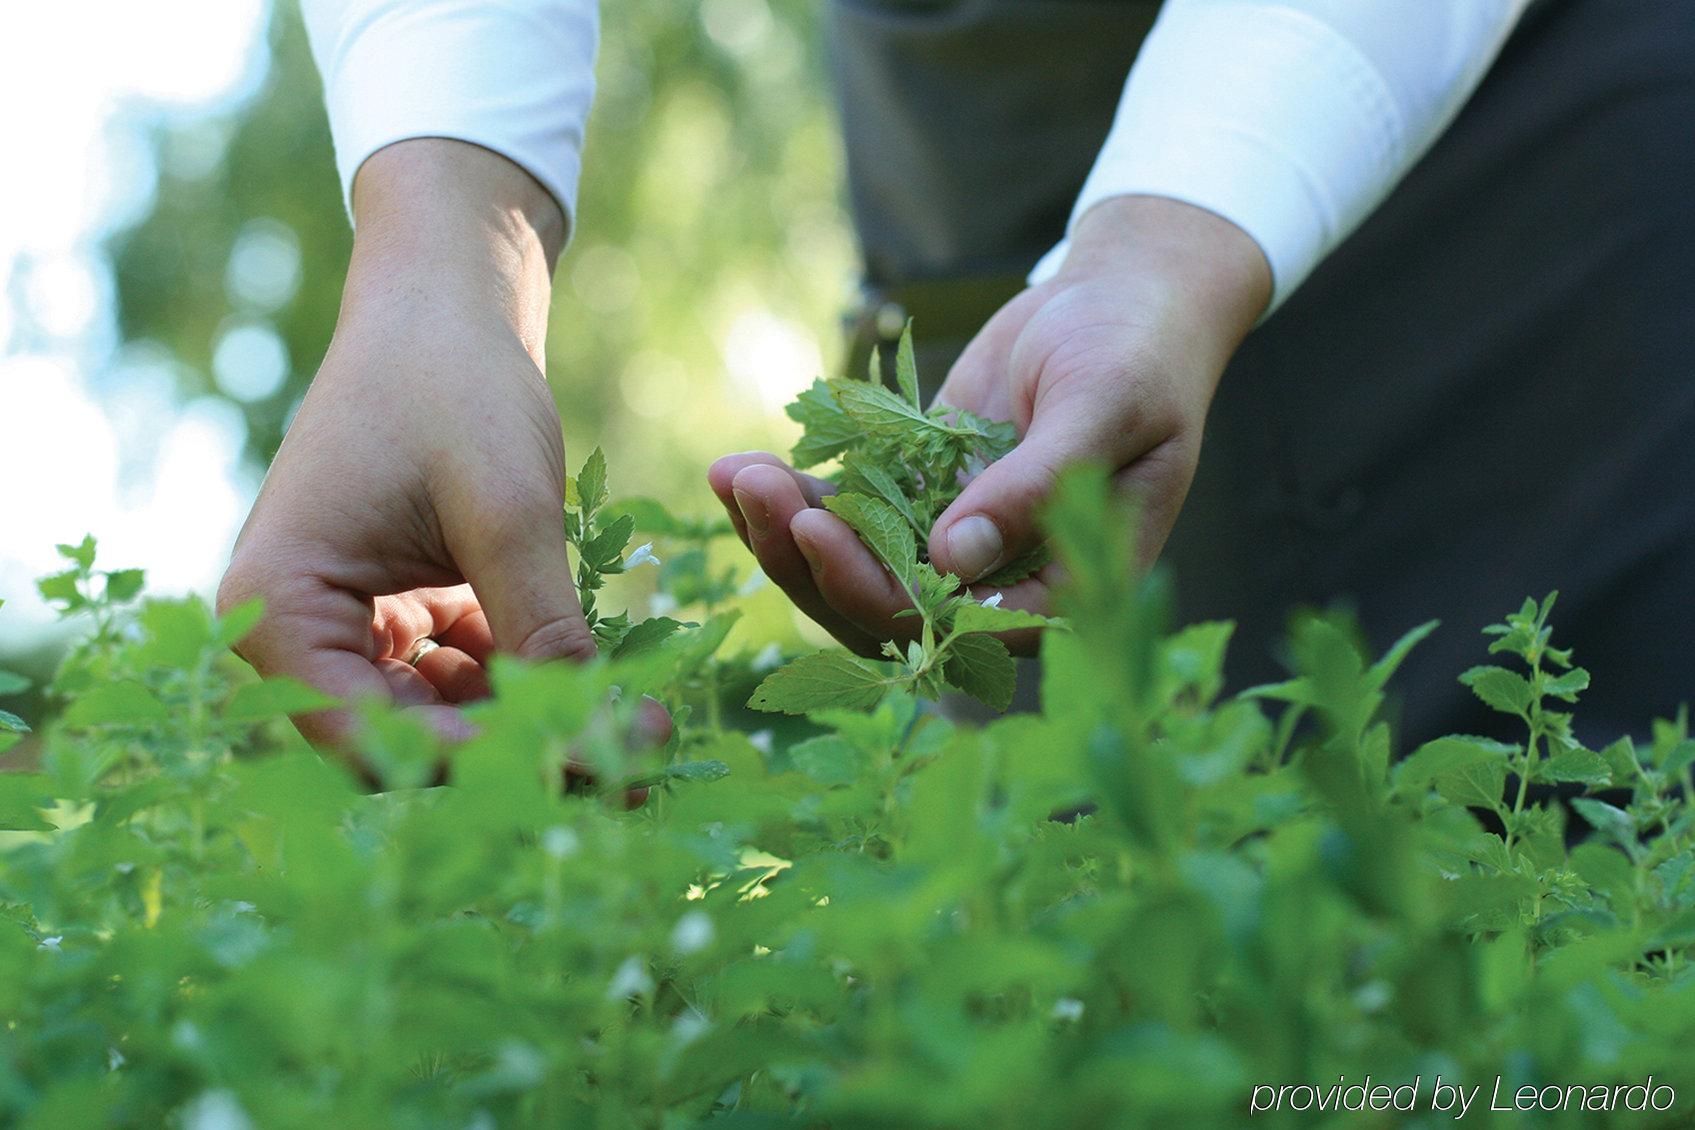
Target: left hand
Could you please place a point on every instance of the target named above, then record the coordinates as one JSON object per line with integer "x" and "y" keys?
{"x": 1114, "y": 360}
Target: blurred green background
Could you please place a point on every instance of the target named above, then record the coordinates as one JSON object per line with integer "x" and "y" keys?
{"x": 703, "y": 287}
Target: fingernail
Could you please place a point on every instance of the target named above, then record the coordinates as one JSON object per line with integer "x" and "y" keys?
{"x": 974, "y": 544}
{"x": 810, "y": 552}
{"x": 758, "y": 520}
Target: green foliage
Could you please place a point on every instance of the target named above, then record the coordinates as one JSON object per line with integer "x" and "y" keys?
{"x": 600, "y": 541}
{"x": 873, "y": 918}
{"x": 900, "y": 468}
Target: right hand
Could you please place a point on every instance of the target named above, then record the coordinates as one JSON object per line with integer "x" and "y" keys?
{"x": 419, "y": 491}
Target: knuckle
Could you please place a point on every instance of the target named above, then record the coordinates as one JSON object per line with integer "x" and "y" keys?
{"x": 564, "y": 637}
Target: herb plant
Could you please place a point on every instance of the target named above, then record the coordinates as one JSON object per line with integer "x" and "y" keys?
{"x": 1127, "y": 910}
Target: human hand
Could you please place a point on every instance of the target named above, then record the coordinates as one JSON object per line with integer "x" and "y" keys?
{"x": 1114, "y": 360}
{"x": 419, "y": 492}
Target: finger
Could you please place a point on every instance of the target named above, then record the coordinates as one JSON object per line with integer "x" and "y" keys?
{"x": 769, "y": 498}
{"x": 470, "y": 634}
{"x": 454, "y": 676}
{"x": 850, "y": 579}
{"x": 510, "y": 545}
{"x": 722, "y": 474}
{"x": 401, "y": 620}
{"x": 653, "y": 725}
{"x": 995, "y": 518}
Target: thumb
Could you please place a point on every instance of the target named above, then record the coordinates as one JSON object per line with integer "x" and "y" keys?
{"x": 518, "y": 567}
{"x": 993, "y": 521}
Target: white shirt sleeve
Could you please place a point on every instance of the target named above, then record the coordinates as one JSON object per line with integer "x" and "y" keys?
{"x": 514, "y": 76}
{"x": 1293, "y": 119}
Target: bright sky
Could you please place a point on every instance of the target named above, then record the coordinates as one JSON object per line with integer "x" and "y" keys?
{"x": 158, "y": 481}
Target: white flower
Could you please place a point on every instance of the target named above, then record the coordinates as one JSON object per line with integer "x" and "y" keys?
{"x": 993, "y": 601}
{"x": 755, "y": 581}
{"x": 691, "y": 1025}
{"x": 114, "y": 1059}
{"x": 51, "y": 943}
{"x": 661, "y": 604}
{"x": 693, "y": 932}
{"x": 642, "y": 556}
{"x": 559, "y": 842}
{"x": 216, "y": 1110}
{"x": 631, "y": 979}
{"x": 768, "y": 657}
{"x": 1067, "y": 1008}
{"x": 760, "y": 740}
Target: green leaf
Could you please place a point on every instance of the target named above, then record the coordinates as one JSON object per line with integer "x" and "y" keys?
{"x": 276, "y": 697}
{"x": 235, "y": 625}
{"x": 1577, "y": 765}
{"x": 11, "y": 723}
{"x": 882, "y": 528}
{"x": 1500, "y": 689}
{"x": 829, "y": 759}
{"x": 1446, "y": 756}
{"x": 591, "y": 482}
{"x": 1380, "y": 671}
{"x": 61, "y": 588}
{"x": 883, "y": 483}
{"x": 604, "y": 552}
{"x": 1020, "y": 568}
{"x": 1567, "y": 686}
{"x": 906, "y": 367}
{"x": 1609, "y": 820}
{"x": 12, "y": 684}
{"x": 124, "y": 585}
{"x": 22, "y": 796}
{"x": 1476, "y": 785}
{"x": 697, "y": 771}
{"x": 829, "y": 430}
{"x": 823, "y": 679}
{"x": 121, "y": 703}
{"x": 974, "y": 617}
{"x": 645, "y": 635}
{"x": 82, "y": 554}
{"x": 982, "y": 667}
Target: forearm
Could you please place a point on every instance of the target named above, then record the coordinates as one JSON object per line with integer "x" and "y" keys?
{"x": 451, "y": 235}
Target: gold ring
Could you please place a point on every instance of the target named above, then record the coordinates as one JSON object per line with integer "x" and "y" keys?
{"x": 420, "y": 649}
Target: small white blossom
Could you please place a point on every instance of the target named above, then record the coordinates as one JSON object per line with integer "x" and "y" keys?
{"x": 51, "y": 943}
{"x": 661, "y": 604}
{"x": 760, "y": 740}
{"x": 559, "y": 842}
{"x": 114, "y": 1059}
{"x": 768, "y": 658}
{"x": 215, "y": 1110}
{"x": 643, "y": 555}
{"x": 1067, "y": 1008}
{"x": 691, "y": 1025}
{"x": 631, "y": 979}
{"x": 693, "y": 932}
{"x": 755, "y": 581}
{"x": 993, "y": 601}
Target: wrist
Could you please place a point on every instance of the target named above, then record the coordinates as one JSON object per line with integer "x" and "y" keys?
{"x": 444, "y": 230}
{"x": 1196, "y": 264}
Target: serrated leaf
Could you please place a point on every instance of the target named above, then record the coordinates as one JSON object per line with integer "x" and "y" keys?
{"x": 885, "y": 487}
{"x": 11, "y": 723}
{"x": 604, "y": 552}
{"x": 1448, "y": 755}
{"x": 982, "y": 667}
{"x": 1610, "y": 820}
{"x": 234, "y": 625}
{"x": 1568, "y": 685}
{"x": 974, "y": 617}
{"x": 591, "y": 482}
{"x": 81, "y": 553}
{"x": 1020, "y": 568}
{"x": 823, "y": 679}
{"x": 829, "y": 430}
{"x": 647, "y": 634}
{"x": 276, "y": 697}
{"x": 710, "y": 770}
{"x": 1476, "y": 785}
{"x": 906, "y": 367}
{"x": 1578, "y": 765}
{"x": 1499, "y": 689}
{"x": 882, "y": 528}
{"x": 1380, "y": 671}
{"x": 121, "y": 703}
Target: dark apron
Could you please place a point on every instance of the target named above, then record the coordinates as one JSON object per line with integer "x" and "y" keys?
{"x": 1486, "y": 392}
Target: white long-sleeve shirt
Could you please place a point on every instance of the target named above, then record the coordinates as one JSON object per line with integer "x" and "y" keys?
{"x": 1292, "y": 119}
